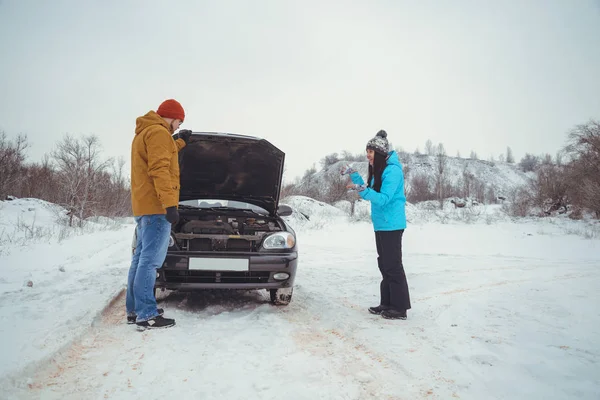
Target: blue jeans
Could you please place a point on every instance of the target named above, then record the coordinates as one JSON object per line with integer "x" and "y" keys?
{"x": 153, "y": 232}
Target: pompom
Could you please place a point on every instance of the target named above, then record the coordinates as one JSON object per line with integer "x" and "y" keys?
{"x": 382, "y": 134}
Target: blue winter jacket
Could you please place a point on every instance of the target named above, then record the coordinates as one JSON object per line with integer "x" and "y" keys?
{"x": 387, "y": 205}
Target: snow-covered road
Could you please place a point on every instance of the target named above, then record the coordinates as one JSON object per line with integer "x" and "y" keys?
{"x": 499, "y": 312}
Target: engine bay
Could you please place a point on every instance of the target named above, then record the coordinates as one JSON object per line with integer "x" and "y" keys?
{"x": 222, "y": 232}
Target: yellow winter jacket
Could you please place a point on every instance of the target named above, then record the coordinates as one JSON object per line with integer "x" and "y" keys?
{"x": 154, "y": 166}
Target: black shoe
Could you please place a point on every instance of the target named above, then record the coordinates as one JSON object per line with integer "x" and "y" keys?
{"x": 131, "y": 318}
{"x": 377, "y": 310}
{"x": 155, "y": 323}
{"x": 393, "y": 314}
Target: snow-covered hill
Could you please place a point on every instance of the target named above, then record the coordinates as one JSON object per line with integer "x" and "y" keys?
{"x": 502, "y": 178}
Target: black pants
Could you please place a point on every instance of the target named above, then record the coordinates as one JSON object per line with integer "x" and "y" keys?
{"x": 394, "y": 288}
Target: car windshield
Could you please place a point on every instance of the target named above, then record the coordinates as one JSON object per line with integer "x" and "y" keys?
{"x": 216, "y": 203}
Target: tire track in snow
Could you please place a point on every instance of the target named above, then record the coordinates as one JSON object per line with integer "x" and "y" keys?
{"x": 503, "y": 283}
{"x": 375, "y": 370}
{"x": 417, "y": 342}
{"x": 350, "y": 359}
{"x": 70, "y": 369}
{"x": 436, "y": 344}
{"x": 60, "y": 379}
{"x": 73, "y": 373}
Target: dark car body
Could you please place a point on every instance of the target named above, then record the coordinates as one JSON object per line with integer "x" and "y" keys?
{"x": 230, "y": 233}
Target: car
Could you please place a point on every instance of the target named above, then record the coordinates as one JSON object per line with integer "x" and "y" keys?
{"x": 231, "y": 233}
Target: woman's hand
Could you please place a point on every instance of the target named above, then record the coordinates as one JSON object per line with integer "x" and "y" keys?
{"x": 347, "y": 170}
{"x": 358, "y": 188}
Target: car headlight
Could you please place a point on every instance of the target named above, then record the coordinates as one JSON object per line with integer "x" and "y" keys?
{"x": 171, "y": 241}
{"x": 279, "y": 240}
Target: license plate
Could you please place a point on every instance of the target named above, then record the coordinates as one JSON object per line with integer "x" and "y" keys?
{"x": 219, "y": 264}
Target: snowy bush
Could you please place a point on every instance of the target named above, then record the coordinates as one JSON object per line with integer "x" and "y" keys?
{"x": 24, "y": 221}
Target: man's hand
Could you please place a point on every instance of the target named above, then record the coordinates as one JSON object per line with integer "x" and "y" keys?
{"x": 183, "y": 134}
{"x": 347, "y": 170}
{"x": 172, "y": 215}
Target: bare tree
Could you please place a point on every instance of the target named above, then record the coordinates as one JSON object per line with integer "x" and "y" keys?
{"x": 519, "y": 202}
{"x": 335, "y": 189}
{"x": 479, "y": 189}
{"x": 403, "y": 155}
{"x": 558, "y": 160}
{"x": 289, "y": 189}
{"x": 547, "y": 159}
{"x": 12, "y": 158}
{"x": 583, "y": 172}
{"x": 406, "y": 171}
{"x": 74, "y": 176}
{"x": 329, "y": 159}
{"x": 490, "y": 195}
{"x": 473, "y": 155}
{"x": 419, "y": 188}
{"x": 549, "y": 189}
{"x": 40, "y": 181}
{"x": 468, "y": 183}
{"x": 308, "y": 184}
{"x": 112, "y": 194}
{"x": 510, "y": 159}
{"x": 429, "y": 148}
{"x": 440, "y": 184}
{"x": 529, "y": 163}
{"x": 440, "y": 150}
{"x": 79, "y": 165}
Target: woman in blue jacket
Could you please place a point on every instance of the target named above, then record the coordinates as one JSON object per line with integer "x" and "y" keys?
{"x": 385, "y": 191}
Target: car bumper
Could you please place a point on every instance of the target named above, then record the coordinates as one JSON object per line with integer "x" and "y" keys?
{"x": 175, "y": 274}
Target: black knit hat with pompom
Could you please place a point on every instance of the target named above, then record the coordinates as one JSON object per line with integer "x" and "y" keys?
{"x": 379, "y": 143}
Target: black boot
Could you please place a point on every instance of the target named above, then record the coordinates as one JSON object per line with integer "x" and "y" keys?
{"x": 155, "y": 323}
{"x": 377, "y": 310}
{"x": 393, "y": 314}
{"x": 131, "y": 318}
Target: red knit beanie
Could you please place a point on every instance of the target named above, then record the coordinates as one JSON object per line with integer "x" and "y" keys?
{"x": 171, "y": 109}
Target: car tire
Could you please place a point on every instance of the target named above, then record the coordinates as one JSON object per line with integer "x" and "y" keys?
{"x": 160, "y": 294}
{"x": 281, "y": 297}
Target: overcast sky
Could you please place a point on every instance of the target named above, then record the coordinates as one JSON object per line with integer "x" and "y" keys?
{"x": 312, "y": 77}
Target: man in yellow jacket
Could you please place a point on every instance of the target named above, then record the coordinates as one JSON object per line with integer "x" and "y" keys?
{"x": 154, "y": 198}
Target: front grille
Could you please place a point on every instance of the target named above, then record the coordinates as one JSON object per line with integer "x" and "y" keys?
{"x": 191, "y": 276}
{"x": 204, "y": 244}
{"x": 239, "y": 245}
{"x": 200, "y": 245}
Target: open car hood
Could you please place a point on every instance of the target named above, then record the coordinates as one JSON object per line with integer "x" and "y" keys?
{"x": 231, "y": 167}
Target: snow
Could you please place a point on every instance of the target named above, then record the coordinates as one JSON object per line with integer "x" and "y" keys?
{"x": 310, "y": 214}
{"x": 72, "y": 273}
{"x": 502, "y": 308}
{"x": 24, "y": 219}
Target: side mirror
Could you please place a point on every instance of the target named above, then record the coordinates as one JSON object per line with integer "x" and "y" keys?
{"x": 284, "y": 210}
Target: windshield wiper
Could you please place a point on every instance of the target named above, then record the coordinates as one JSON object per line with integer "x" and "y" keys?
{"x": 244, "y": 210}
{"x": 232, "y": 209}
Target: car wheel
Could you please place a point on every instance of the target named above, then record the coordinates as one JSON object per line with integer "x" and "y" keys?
{"x": 160, "y": 294}
{"x": 281, "y": 297}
